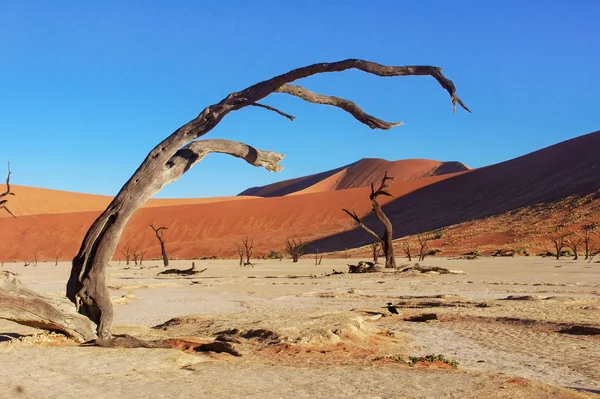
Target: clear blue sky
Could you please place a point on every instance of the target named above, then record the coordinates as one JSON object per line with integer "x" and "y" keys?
{"x": 88, "y": 88}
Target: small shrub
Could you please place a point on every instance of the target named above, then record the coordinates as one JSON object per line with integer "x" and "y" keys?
{"x": 433, "y": 252}
{"x": 433, "y": 358}
{"x": 473, "y": 253}
{"x": 274, "y": 255}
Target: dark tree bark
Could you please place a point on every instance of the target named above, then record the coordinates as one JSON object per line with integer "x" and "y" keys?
{"x": 573, "y": 243}
{"x": 29, "y": 308}
{"x": 423, "y": 242}
{"x": 159, "y": 231}
{"x": 559, "y": 243}
{"x": 386, "y": 238}
{"x": 295, "y": 248}
{"x": 376, "y": 251}
{"x": 407, "y": 248}
{"x": 240, "y": 253}
{"x": 175, "y": 155}
{"x": 3, "y": 202}
{"x": 246, "y": 247}
{"x": 589, "y": 245}
{"x": 127, "y": 252}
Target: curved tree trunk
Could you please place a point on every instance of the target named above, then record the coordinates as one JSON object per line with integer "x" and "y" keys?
{"x": 179, "y": 152}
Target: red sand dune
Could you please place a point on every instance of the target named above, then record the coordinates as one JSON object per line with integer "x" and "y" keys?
{"x": 38, "y": 201}
{"x": 357, "y": 174}
{"x": 571, "y": 168}
{"x": 198, "y": 230}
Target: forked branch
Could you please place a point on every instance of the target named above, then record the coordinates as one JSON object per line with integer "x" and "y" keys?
{"x": 6, "y": 193}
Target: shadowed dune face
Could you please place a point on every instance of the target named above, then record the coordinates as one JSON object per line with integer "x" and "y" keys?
{"x": 358, "y": 174}
{"x": 571, "y": 168}
{"x": 199, "y": 228}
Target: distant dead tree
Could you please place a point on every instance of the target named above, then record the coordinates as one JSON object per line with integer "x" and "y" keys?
{"x": 56, "y": 260}
{"x": 135, "y": 258}
{"x": 127, "y": 252}
{"x": 295, "y": 248}
{"x": 141, "y": 254}
{"x": 407, "y": 247}
{"x": 573, "y": 242}
{"x": 589, "y": 245}
{"x": 423, "y": 243}
{"x": 240, "y": 250}
{"x": 159, "y": 231}
{"x": 35, "y": 259}
{"x": 3, "y": 202}
{"x": 318, "y": 259}
{"x": 376, "y": 252}
{"x": 559, "y": 242}
{"x": 245, "y": 250}
{"x": 386, "y": 238}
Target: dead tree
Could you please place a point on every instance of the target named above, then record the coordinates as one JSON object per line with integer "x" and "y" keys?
{"x": 141, "y": 253}
{"x": 386, "y": 239}
{"x": 295, "y": 248}
{"x": 573, "y": 242}
{"x": 423, "y": 242}
{"x": 376, "y": 252}
{"x": 247, "y": 247}
{"x": 407, "y": 247}
{"x": 176, "y": 154}
{"x": 3, "y": 202}
{"x": 159, "y": 231}
{"x": 559, "y": 242}
{"x": 240, "y": 253}
{"x": 318, "y": 259}
{"x": 127, "y": 252}
{"x": 589, "y": 245}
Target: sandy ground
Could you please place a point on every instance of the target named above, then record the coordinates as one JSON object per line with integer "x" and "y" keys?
{"x": 322, "y": 336}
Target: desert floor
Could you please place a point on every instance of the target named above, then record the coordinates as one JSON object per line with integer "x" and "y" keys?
{"x": 303, "y": 334}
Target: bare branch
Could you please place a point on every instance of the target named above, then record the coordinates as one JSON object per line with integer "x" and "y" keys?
{"x": 7, "y": 192}
{"x": 346, "y": 105}
{"x": 381, "y": 190}
{"x": 354, "y": 216}
{"x": 290, "y": 117}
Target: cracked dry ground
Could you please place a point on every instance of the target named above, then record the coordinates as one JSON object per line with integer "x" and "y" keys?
{"x": 301, "y": 335}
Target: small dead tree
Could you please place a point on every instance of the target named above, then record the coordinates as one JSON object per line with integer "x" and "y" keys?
{"x": 318, "y": 259}
{"x": 56, "y": 260}
{"x": 295, "y": 248}
{"x": 159, "y": 231}
{"x": 423, "y": 243}
{"x": 127, "y": 252}
{"x": 386, "y": 238}
{"x": 246, "y": 250}
{"x": 141, "y": 255}
{"x": 35, "y": 259}
{"x": 407, "y": 247}
{"x": 573, "y": 242}
{"x": 135, "y": 258}
{"x": 376, "y": 252}
{"x": 3, "y": 202}
{"x": 589, "y": 245}
{"x": 240, "y": 251}
{"x": 180, "y": 151}
{"x": 559, "y": 242}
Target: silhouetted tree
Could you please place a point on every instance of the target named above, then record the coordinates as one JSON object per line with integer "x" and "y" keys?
{"x": 589, "y": 245}
{"x": 127, "y": 252}
{"x": 159, "y": 231}
{"x": 407, "y": 247}
{"x": 6, "y": 193}
{"x": 423, "y": 243}
{"x": 573, "y": 242}
{"x": 386, "y": 239}
{"x": 559, "y": 242}
{"x": 295, "y": 248}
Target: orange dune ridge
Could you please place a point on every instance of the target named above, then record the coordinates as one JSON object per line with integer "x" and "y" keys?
{"x": 39, "y": 201}
{"x": 357, "y": 174}
{"x": 199, "y": 230}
